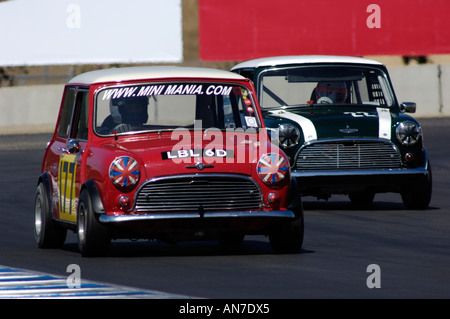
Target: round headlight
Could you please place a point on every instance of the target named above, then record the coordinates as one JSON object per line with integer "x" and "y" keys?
{"x": 124, "y": 172}
{"x": 272, "y": 168}
{"x": 288, "y": 135}
{"x": 408, "y": 133}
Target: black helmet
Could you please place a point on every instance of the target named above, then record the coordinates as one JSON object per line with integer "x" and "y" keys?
{"x": 132, "y": 110}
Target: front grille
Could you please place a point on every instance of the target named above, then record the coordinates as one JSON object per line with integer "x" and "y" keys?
{"x": 198, "y": 193}
{"x": 348, "y": 155}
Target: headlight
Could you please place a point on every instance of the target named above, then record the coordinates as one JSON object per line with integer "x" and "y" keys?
{"x": 272, "y": 168}
{"x": 124, "y": 172}
{"x": 288, "y": 135}
{"x": 407, "y": 133}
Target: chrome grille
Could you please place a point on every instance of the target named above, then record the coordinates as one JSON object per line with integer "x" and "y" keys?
{"x": 198, "y": 193}
{"x": 351, "y": 155}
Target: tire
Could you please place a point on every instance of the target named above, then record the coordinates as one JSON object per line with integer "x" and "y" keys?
{"x": 47, "y": 233}
{"x": 418, "y": 196}
{"x": 287, "y": 237}
{"x": 361, "y": 199}
{"x": 93, "y": 238}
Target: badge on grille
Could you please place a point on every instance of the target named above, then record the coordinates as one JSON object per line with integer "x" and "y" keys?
{"x": 124, "y": 172}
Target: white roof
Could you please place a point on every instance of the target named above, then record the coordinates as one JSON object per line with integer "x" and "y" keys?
{"x": 151, "y": 72}
{"x": 302, "y": 59}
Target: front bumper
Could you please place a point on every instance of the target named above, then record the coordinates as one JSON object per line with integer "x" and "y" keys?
{"x": 186, "y": 225}
{"x": 346, "y": 181}
{"x": 278, "y": 214}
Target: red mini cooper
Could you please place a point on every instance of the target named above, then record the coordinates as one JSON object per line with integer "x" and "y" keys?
{"x": 166, "y": 153}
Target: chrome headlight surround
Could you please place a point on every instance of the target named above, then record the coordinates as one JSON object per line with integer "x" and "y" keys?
{"x": 288, "y": 135}
{"x": 124, "y": 172}
{"x": 272, "y": 168}
{"x": 408, "y": 133}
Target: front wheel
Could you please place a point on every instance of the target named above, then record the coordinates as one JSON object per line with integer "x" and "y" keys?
{"x": 47, "y": 233}
{"x": 93, "y": 238}
{"x": 287, "y": 237}
{"x": 418, "y": 195}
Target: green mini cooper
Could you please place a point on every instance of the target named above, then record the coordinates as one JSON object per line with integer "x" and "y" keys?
{"x": 339, "y": 121}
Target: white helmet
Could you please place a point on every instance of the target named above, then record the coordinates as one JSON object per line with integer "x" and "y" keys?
{"x": 331, "y": 92}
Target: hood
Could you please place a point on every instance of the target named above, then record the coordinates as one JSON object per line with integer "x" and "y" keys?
{"x": 335, "y": 122}
{"x": 190, "y": 153}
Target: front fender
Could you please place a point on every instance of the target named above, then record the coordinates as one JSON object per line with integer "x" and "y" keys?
{"x": 97, "y": 204}
{"x": 45, "y": 180}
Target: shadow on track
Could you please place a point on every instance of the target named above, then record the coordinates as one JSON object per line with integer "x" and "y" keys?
{"x": 253, "y": 245}
{"x": 343, "y": 204}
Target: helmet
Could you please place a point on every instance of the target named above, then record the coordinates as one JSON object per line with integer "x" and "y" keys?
{"x": 331, "y": 92}
{"x": 114, "y": 110}
{"x": 129, "y": 110}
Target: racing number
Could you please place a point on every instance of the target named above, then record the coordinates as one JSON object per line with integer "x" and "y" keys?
{"x": 66, "y": 185}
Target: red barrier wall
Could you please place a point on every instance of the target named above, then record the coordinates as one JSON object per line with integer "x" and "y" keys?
{"x": 234, "y": 30}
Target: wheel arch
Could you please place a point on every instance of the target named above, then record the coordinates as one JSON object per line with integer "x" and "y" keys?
{"x": 45, "y": 180}
{"x": 91, "y": 188}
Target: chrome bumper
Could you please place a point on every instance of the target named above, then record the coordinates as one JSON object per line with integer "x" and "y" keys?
{"x": 372, "y": 172}
{"x": 283, "y": 214}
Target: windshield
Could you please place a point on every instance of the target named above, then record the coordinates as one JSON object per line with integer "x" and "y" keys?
{"x": 169, "y": 105}
{"x": 324, "y": 85}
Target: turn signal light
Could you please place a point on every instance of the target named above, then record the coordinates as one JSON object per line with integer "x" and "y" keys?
{"x": 272, "y": 198}
{"x": 124, "y": 201}
{"x": 409, "y": 157}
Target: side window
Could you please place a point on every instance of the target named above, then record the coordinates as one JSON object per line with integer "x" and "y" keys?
{"x": 81, "y": 120}
{"x": 66, "y": 113}
{"x": 375, "y": 91}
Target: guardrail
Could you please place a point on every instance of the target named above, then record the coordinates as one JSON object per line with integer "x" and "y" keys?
{"x": 428, "y": 85}
{"x": 34, "y": 109}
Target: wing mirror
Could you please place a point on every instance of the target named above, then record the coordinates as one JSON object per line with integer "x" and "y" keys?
{"x": 73, "y": 146}
{"x": 408, "y": 107}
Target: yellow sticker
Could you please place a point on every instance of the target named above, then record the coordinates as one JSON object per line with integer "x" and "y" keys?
{"x": 66, "y": 185}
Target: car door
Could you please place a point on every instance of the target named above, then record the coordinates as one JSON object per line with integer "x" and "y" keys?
{"x": 67, "y": 152}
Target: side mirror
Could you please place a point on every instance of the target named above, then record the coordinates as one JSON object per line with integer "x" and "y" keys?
{"x": 73, "y": 146}
{"x": 408, "y": 107}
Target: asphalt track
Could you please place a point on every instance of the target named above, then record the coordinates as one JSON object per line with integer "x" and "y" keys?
{"x": 411, "y": 248}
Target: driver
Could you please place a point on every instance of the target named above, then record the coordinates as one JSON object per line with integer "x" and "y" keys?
{"x": 127, "y": 114}
{"x": 331, "y": 92}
